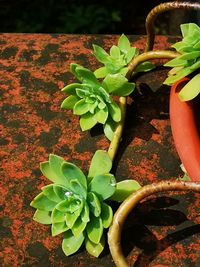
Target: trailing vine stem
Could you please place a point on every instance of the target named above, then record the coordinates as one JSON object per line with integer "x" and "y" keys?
{"x": 114, "y": 234}
{"x": 112, "y": 150}
{"x": 161, "y": 9}
{"x": 148, "y": 56}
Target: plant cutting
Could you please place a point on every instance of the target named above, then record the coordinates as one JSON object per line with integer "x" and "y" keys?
{"x": 75, "y": 204}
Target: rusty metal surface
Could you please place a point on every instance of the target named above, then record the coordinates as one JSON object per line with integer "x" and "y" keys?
{"x": 162, "y": 231}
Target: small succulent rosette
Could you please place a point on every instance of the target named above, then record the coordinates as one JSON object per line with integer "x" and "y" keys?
{"x": 187, "y": 62}
{"x": 117, "y": 61}
{"x": 75, "y": 204}
{"x": 92, "y": 100}
{"x": 92, "y": 97}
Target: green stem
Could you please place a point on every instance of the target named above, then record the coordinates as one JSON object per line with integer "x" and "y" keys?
{"x": 112, "y": 150}
{"x": 160, "y": 9}
{"x": 148, "y": 56}
{"x": 118, "y": 131}
{"x": 114, "y": 234}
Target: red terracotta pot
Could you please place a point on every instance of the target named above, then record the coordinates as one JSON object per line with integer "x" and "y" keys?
{"x": 185, "y": 124}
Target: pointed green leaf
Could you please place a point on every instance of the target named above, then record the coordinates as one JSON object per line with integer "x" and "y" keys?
{"x": 41, "y": 202}
{"x": 132, "y": 52}
{"x": 87, "y": 76}
{"x": 57, "y": 216}
{"x": 101, "y": 72}
{"x": 100, "y": 164}
{"x": 145, "y": 66}
{"x": 123, "y": 71}
{"x": 71, "y": 88}
{"x": 42, "y": 216}
{"x": 85, "y": 214}
{"x": 176, "y": 62}
{"x": 94, "y": 204}
{"x": 118, "y": 85}
{"x": 189, "y": 28}
{"x": 101, "y": 115}
{"x": 109, "y": 128}
{"x": 69, "y": 102}
{"x": 78, "y": 227}
{"x": 49, "y": 192}
{"x": 78, "y": 188}
{"x": 47, "y": 171}
{"x": 71, "y": 218}
{"x": 115, "y": 52}
{"x": 123, "y": 43}
{"x": 87, "y": 121}
{"x": 124, "y": 189}
{"x": 100, "y": 54}
{"x": 94, "y": 229}
{"x": 71, "y": 172}
{"x": 60, "y": 191}
{"x": 71, "y": 204}
{"x": 81, "y": 107}
{"x": 58, "y": 228}
{"x": 103, "y": 185}
{"x": 114, "y": 111}
{"x": 191, "y": 89}
{"x": 181, "y": 74}
{"x": 55, "y": 163}
{"x": 95, "y": 249}
{"x": 73, "y": 67}
{"x": 63, "y": 206}
{"x": 72, "y": 243}
{"x": 106, "y": 215}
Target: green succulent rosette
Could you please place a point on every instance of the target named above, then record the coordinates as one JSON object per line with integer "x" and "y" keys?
{"x": 118, "y": 59}
{"x": 75, "y": 204}
{"x": 187, "y": 62}
{"x": 92, "y": 100}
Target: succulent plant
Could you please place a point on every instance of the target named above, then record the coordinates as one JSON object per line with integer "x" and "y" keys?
{"x": 92, "y": 100}
{"x": 187, "y": 62}
{"x": 75, "y": 205}
{"x": 118, "y": 59}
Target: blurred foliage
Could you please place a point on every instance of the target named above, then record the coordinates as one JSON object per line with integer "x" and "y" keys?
{"x": 80, "y": 16}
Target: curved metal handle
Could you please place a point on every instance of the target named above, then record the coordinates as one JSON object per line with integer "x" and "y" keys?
{"x": 161, "y": 9}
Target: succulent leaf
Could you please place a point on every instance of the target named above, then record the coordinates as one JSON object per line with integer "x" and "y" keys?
{"x": 41, "y": 202}
{"x": 106, "y": 215}
{"x": 187, "y": 62}
{"x": 94, "y": 229}
{"x": 124, "y": 44}
{"x": 49, "y": 192}
{"x": 57, "y": 216}
{"x": 85, "y": 214}
{"x": 103, "y": 186}
{"x": 115, "y": 112}
{"x": 95, "y": 249}
{"x": 78, "y": 188}
{"x": 71, "y": 172}
{"x": 94, "y": 204}
{"x": 124, "y": 189}
{"x": 78, "y": 227}
{"x": 70, "y": 102}
{"x": 58, "y": 228}
{"x": 87, "y": 121}
{"x": 109, "y": 128}
{"x": 191, "y": 89}
{"x": 81, "y": 107}
{"x": 71, "y": 218}
{"x": 72, "y": 243}
{"x": 42, "y": 216}
{"x": 98, "y": 169}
